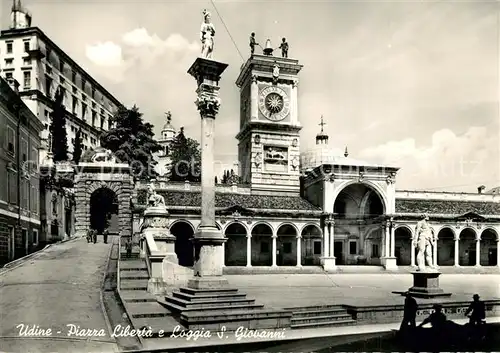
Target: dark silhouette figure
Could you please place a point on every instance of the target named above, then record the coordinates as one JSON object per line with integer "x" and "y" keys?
{"x": 105, "y": 234}
{"x": 437, "y": 319}
{"x": 410, "y": 312}
{"x": 94, "y": 236}
{"x": 477, "y": 310}
{"x": 284, "y": 48}
{"x": 128, "y": 247}
{"x": 89, "y": 236}
{"x": 253, "y": 43}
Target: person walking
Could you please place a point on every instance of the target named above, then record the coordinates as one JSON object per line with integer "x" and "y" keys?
{"x": 105, "y": 234}
{"x": 410, "y": 312}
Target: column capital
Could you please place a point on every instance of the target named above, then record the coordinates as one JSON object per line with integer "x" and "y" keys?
{"x": 456, "y": 237}
{"x": 478, "y": 237}
{"x": 299, "y": 236}
{"x": 208, "y": 104}
{"x": 274, "y": 236}
{"x": 249, "y": 236}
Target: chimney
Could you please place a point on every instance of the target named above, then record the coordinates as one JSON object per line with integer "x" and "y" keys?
{"x": 14, "y": 85}
{"x": 480, "y": 189}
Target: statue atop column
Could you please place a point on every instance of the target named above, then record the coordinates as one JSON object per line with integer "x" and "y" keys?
{"x": 154, "y": 199}
{"x": 425, "y": 242}
{"x": 207, "y": 33}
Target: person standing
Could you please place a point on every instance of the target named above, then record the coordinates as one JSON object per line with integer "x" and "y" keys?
{"x": 253, "y": 43}
{"x": 105, "y": 235}
{"x": 477, "y": 310}
{"x": 410, "y": 312}
{"x": 94, "y": 235}
{"x": 284, "y": 48}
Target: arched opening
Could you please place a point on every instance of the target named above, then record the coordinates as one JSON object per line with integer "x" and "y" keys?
{"x": 286, "y": 246}
{"x": 446, "y": 247}
{"x": 467, "y": 247}
{"x": 356, "y": 208}
{"x": 311, "y": 247}
{"x": 262, "y": 245}
{"x": 236, "y": 245}
{"x": 488, "y": 251}
{"x": 104, "y": 211}
{"x": 403, "y": 246}
{"x": 183, "y": 232}
{"x": 373, "y": 245}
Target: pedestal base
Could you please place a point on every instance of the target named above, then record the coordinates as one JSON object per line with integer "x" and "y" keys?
{"x": 156, "y": 286}
{"x": 329, "y": 264}
{"x": 389, "y": 263}
{"x": 426, "y": 285}
{"x": 212, "y": 282}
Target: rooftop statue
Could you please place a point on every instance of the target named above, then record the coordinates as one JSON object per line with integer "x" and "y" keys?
{"x": 207, "y": 33}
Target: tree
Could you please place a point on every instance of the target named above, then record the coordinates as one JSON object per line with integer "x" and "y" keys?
{"x": 59, "y": 145}
{"x": 77, "y": 148}
{"x": 185, "y": 155}
{"x": 132, "y": 141}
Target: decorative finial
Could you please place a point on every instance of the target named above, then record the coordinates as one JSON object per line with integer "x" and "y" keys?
{"x": 322, "y": 123}
{"x": 169, "y": 116}
{"x": 346, "y": 153}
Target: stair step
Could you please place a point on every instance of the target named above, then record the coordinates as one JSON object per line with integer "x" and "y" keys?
{"x": 134, "y": 284}
{"x": 315, "y": 307}
{"x": 347, "y": 322}
{"x": 165, "y": 323}
{"x": 226, "y": 308}
{"x": 203, "y": 297}
{"x": 326, "y": 318}
{"x": 146, "y": 309}
{"x": 208, "y": 291}
{"x": 131, "y": 274}
{"x": 243, "y": 313}
{"x": 318, "y": 312}
{"x": 208, "y": 303}
{"x": 133, "y": 265}
{"x": 133, "y": 296}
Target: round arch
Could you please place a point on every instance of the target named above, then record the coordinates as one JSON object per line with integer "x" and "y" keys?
{"x": 226, "y": 226}
{"x": 368, "y": 184}
{"x": 311, "y": 245}
{"x": 405, "y": 226}
{"x": 235, "y": 247}
{"x": 488, "y": 247}
{"x": 467, "y": 247}
{"x": 103, "y": 210}
{"x": 403, "y": 245}
{"x": 261, "y": 245}
{"x": 183, "y": 230}
{"x": 287, "y": 224}
{"x": 311, "y": 224}
{"x": 261, "y": 223}
{"x": 445, "y": 226}
{"x": 492, "y": 230}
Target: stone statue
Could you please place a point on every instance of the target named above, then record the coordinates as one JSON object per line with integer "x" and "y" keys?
{"x": 253, "y": 43}
{"x": 276, "y": 73}
{"x": 168, "y": 115}
{"x": 207, "y": 33}
{"x": 284, "y": 48}
{"x": 425, "y": 242}
{"x": 103, "y": 155}
{"x": 154, "y": 200}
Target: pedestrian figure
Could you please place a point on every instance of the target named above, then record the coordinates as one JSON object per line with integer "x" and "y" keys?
{"x": 89, "y": 235}
{"x": 410, "y": 312}
{"x": 105, "y": 235}
{"x": 94, "y": 235}
{"x": 253, "y": 43}
{"x": 128, "y": 247}
{"x": 437, "y": 319}
{"x": 284, "y": 48}
{"x": 477, "y": 310}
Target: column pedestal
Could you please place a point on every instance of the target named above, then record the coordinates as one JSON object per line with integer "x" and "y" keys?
{"x": 426, "y": 285}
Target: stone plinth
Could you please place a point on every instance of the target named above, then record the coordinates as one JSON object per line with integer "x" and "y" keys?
{"x": 426, "y": 285}
{"x": 329, "y": 264}
{"x": 389, "y": 263}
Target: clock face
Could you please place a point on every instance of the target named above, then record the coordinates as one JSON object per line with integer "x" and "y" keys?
{"x": 274, "y": 103}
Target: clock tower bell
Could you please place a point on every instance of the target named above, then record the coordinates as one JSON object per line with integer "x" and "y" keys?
{"x": 269, "y": 142}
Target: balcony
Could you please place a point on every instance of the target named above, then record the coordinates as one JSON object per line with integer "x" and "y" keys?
{"x": 35, "y": 52}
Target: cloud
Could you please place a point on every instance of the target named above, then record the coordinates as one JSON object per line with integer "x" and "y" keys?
{"x": 454, "y": 161}
{"x": 105, "y": 54}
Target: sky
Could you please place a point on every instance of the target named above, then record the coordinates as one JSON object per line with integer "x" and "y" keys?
{"x": 410, "y": 84}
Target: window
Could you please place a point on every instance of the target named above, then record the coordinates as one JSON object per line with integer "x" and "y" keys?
{"x": 73, "y": 76}
{"x": 11, "y": 140}
{"x": 102, "y": 122}
{"x": 264, "y": 247}
{"x": 24, "y": 149}
{"x": 93, "y": 93}
{"x": 62, "y": 80}
{"x": 35, "y": 236}
{"x": 26, "y": 46}
{"x": 48, "y": 69}
{"x": 94, "y": 114}
{"x": 75, "y": 104}
{"x": 110, "y": 124}
{"x": 84, "y": 110}
{"x": 27, "y": 79}
{"x": 34, "y": 159}
{"x": 353, "y": 248}
{"x": 317, "y": 247}
{"x": 8, "y": 75}
{"x": 84, "y": 83}
{"x": 24, "y": 193}
{"x": 61, "y": 66}
{"x": 287, "y": 248}
{"x": 10, "y": 47}
{"x": 9, "y": 62}
{"x": 48, "y": 85}
{"x": 26, "y": 61}
{"x": 74, "y": 90}
{"x": 375, "y": 252}
{"x": 11, "y": 185}
{"x": 166, "y": 151}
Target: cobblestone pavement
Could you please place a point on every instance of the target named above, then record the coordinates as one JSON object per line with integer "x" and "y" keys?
{"x": 316, "y": 289}
{"x": 58, "y": 287}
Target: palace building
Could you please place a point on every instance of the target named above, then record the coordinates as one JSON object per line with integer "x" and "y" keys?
{"x": 319, "y": 208}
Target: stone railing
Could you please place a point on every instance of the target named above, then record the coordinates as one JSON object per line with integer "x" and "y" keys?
{"x": 187, "y": 186}
{"x": 443, "y": 195}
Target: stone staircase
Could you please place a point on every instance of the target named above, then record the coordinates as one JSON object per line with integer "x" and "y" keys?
{"x": 142, "y": 308}
{"x": 320, "y": 316}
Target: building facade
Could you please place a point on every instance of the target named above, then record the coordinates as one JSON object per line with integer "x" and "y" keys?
{"x": 19, "y": 177}
{"x": 167, "y": 135}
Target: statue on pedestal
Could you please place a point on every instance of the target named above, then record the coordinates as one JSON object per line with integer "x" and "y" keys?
{"x": 207, "y": 33}
{"x": 425, "y": 242}
{"x": 155, "y": 200}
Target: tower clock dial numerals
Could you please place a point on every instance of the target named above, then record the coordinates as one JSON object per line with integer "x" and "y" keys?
{"x": 274, "y": 103}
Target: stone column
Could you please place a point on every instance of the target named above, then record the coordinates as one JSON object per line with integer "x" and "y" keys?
{"x": 254, "y": 103}
{"x": 331, "y": 231}
{"x": 498, "y": 252}
{"x": 208, "y": 240}
{"x": 274, "y": 250}
{"x": 294, "y": 99}
{"x": 412, "y": 253}
{"x": 299, "y": 250}
{"x": 457, "y": 250}
{"x": 393, "y": 240}
{"x": 326, "y": 241}
{"x": 478, "y": 250}
{"x": 382, "y": 243}
{"x": 249, "y": 250}
{"x": 387, "y": 239}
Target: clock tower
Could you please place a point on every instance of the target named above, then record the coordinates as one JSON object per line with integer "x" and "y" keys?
{"x": 268, "y": 148}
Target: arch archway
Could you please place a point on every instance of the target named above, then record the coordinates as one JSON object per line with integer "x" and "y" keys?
{"x": 236, "y": 245}
{"x": 355, "y": 209}
{"x": 446, "y": 247}
{"x": 488, "y": 248}
{"x": 312, "y": 245}
{"x": 262, "y": 245}
{"x": 183, "y": 232}
{"x": 467, "y": 247}
{"x": 286, "y": 245}
{"x": 104, "y": 210}
{"x": 403, "y": 246}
